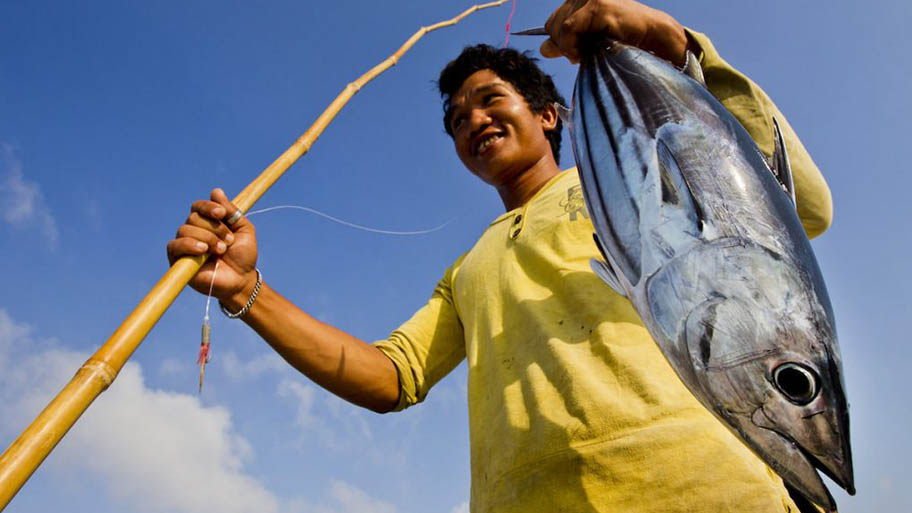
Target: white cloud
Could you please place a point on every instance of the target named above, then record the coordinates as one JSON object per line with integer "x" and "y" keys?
{"x": 303, "y": 397}
{"x": 342, "y": 497}
{"x": 462, "y": 508}
{"x": 9, "y": 332}
{"x": 336, "y": 424}
{"x": 154, "y": 450}
{"x": 174, "y": 366}
{"x": 353, "y": 419}
{"x": 150, "y": 449}
{"x": 21, "y": 201}
{"x": 252, "y": 368}
{"x": 353, "y": 500}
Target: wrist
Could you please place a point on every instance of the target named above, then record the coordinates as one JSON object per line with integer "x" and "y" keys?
{"x": 670, "y": 38}
{"x": 236, "y": 301}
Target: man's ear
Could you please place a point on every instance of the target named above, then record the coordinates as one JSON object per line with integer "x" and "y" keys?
{"x": 549, "y": 117}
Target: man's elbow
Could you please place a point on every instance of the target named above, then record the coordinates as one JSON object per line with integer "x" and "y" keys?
{"x": 383, "y": 404}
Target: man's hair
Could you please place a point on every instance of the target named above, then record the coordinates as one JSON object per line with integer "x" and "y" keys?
{"x": 519, "y": 69}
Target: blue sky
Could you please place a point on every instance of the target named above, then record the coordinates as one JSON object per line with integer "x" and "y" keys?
{"x": 114, "y": 116}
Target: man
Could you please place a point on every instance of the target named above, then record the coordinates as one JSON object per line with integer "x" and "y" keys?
{"x": 572, "y": 406}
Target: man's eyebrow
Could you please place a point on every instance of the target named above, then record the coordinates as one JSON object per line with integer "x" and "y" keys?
{"x": 484, "y": 88}
{"x": 477, "y": 90}
{"x": 452, "y": 105}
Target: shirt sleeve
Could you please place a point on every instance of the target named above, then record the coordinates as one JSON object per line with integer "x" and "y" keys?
{"x": 428, "y": 346}
{"x": 754, "y": 109}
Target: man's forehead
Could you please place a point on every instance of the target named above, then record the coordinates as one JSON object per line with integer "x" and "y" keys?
{"x": 479, "y": 82}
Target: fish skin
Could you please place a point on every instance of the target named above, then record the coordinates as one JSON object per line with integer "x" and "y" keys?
{"x": 708, "y": 247}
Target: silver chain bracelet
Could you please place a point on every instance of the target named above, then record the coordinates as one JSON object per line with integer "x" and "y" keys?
{"x": 253, "y": 296}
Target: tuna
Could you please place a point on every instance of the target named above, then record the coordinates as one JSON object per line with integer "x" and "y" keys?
{"x": 700, "y": 232}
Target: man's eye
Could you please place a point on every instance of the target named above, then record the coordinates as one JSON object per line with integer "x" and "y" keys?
{"x": 490, "y": 98}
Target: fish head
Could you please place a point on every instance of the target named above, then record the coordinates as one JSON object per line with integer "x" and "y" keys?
{"x": 763, "y": 360}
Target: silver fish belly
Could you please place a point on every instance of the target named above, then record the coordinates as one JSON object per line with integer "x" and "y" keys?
{"x": 697, "y": 232}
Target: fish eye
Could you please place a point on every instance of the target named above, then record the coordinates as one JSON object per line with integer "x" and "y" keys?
{"x": 797, "y": 382}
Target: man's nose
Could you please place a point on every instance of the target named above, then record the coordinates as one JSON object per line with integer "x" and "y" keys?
{"x": 478, "y": 120}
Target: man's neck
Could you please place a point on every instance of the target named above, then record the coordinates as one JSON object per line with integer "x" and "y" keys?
{"x": 524, "y": 185}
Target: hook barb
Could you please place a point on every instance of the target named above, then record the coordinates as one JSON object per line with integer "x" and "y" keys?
{"x": 537, "y": 31}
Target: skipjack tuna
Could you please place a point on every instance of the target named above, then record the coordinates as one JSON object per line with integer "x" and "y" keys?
{"x": 701, "y": 234}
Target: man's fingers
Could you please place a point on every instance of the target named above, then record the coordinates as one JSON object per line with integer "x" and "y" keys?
{"x": 549, "y": 24}
{"x": 207, "y": 223}
{"x": 209, "y": 209}
{"x": 219, "y": 196}
{"x": 233, "y": 218}
{"x": 582, "y": 21}
{"x": 185, "y": 246}
{"x": 212, "y": 212}
{"x": 214, "y": 244}
{"x": 549, "y": 50}
{"x": 565, "y": 25}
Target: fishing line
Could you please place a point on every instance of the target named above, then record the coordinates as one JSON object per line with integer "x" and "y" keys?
{"x": 348, "y": 223}
{"x": 22, "y": 458}
{"x": 509, "y": 19}
{"x": 205, "y": 353}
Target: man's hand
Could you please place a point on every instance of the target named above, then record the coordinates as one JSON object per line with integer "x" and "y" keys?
{"x": 206, "y": 231}
{"x": 626, "y": 21}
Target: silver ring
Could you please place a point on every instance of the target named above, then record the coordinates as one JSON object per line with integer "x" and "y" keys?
{"x": 234, "y": 217}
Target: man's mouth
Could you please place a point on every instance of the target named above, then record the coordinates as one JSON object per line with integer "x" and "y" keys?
{"x": 486, "y": 143}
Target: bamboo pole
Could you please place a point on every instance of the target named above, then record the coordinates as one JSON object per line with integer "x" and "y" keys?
{"x": 27, "y": 452}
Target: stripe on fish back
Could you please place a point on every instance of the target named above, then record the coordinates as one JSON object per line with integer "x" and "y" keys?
{"x": 616, "y": 200}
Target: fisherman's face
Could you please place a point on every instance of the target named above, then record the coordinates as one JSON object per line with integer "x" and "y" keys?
{"x": 495, "y": 132}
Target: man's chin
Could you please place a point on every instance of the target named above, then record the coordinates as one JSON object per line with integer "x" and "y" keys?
{"x": 489, "y": 167}
{"x": 491, "y": 175}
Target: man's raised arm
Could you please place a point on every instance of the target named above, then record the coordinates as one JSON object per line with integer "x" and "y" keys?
{"x": 658, "y": 32}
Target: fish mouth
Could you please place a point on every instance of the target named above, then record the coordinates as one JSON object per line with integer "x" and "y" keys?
{"x": 842, "y": 475}
{"x": 799, "y": 466}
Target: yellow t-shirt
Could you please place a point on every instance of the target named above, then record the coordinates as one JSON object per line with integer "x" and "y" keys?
{"x": 572, "y": 406}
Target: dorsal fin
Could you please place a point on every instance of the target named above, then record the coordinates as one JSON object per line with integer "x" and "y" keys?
{"x": 692, "y": 68}
{"x": 781, "y": 167}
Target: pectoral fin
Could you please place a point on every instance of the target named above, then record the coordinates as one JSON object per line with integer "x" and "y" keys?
{"x": 676, "y": 193}
{"x": 603, "y": 271}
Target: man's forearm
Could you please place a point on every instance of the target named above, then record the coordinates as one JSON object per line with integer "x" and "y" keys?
{"x": 335, "y": 360}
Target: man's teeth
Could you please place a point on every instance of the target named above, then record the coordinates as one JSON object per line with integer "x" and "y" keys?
{"x": 487, "y": 142}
